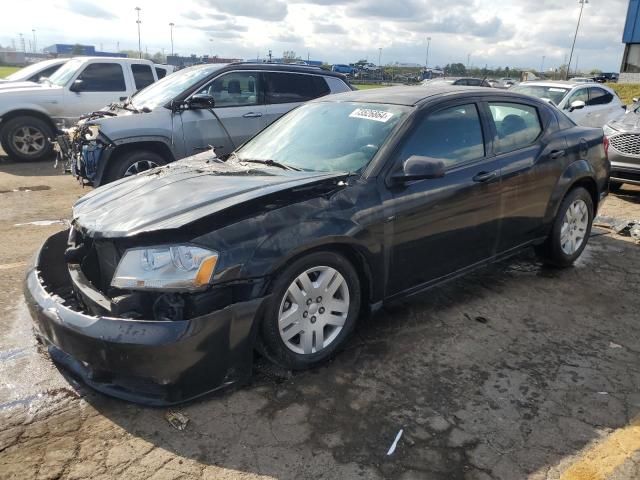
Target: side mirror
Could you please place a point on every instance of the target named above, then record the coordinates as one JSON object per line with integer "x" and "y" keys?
{"x": 577, "y": 105}
{"x": 417, "y": 167}
{"x": 636, "y": 99}
{"x": 76, "y": 86}
{"x": 201, "y": 101}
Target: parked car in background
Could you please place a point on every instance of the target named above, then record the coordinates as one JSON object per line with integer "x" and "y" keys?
{"x": 370, "y": 67}
{"x": 192, "y": 110}
{"x": 462, "y": 81}
{"x": 35, "y": 71}
{"x": 624, "y": 149}
{"x": 507, "y": 82}
{"x": 163, "y": 70}
{"x": 345, "y": 69}
{"x": 168, "y": 280}
{"x": 582, "y": 80}
{"x": 607, "y": 77}
{"x": 586, "y": 104}
{"x": 30, "y": 115}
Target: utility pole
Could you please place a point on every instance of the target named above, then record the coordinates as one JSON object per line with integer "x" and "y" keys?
{"x": 468, "y": 60}
{"x": 35, "y": 49}
{"x": 426, "y": 63}
{"x": 171, "y": 25}
{"x": 542, "y": 64}
{"x": 138, "y": 21}
{"x": 581, "y": 2}
{"x": 22, "y": 47}
{"x": 269, "y": 55}
{"x": 379, "y": 59}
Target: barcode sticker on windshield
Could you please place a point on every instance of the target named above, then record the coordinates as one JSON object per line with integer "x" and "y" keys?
{"x": 370, "y": 114}
{"x": 557, "y": 89}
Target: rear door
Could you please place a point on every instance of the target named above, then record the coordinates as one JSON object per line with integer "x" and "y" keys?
{"x": 286, "y": 90}
{"x": 142, "y": 75}
{"x": 581, "y": 116}
{"x": 100, "y": 83}
{"x": 240, "y": 110}
{"x": 604, "y": 105}
{"x": 443, "y": 225}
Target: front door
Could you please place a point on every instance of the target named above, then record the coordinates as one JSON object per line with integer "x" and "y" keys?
{"x": 443, "y": 225}
{"x": 582, "y": 116}
{"x": 240, "y": 114}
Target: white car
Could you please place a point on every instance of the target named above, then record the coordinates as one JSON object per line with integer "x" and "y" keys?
{"x": 587, "y": 104}
{"x": 31, "y": 113}
{"x": 582, "y": 80}
{"x": 35, "y": 71}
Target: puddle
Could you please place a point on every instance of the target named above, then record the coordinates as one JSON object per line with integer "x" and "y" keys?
{"x": 34, "y": 188}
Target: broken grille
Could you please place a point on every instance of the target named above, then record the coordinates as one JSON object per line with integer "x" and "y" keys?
{"x": 628, "y": 143}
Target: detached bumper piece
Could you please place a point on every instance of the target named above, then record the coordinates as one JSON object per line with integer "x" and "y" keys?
{"x": 151, "y": 362}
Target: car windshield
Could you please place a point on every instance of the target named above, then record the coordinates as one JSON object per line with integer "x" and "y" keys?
{"x": 165, "y": 90}
{"x": 26, "y": 72}
{"x": 62, "y": 76}
{"x": 326, "y": 136}
{"x": 555, "y": 94}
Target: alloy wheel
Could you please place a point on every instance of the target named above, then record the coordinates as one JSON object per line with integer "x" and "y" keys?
{"x": 313, "y": 310}
{"x": 574, "y": 227}
{"x": 140, "y": 166}
{"x": 29, "y": 140}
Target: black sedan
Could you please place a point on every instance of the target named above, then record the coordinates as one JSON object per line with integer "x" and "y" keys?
{"x": 169, "y": 280}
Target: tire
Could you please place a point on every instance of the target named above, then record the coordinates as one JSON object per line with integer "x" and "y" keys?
{"x": 614, "y": 187}
{"x": 26, "y": 138}
{"x": 290, "y": 353}
{"x": 563, "y": 247}
{"x": 124, "y": 164}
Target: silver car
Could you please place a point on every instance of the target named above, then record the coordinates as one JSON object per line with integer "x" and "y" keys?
{"x": 192, "y": 110}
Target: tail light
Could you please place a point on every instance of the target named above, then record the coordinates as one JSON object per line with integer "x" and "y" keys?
{"x": 605, "y": 144}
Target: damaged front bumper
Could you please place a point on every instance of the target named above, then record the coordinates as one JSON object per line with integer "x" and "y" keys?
{"x": 84, "y": 159}
{"x": 151, "y": 362}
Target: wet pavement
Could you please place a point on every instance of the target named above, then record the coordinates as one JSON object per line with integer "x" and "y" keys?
{"x": 516, "y": 371}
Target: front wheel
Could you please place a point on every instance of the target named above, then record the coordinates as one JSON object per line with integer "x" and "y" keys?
{"x": 313, "y": 309}
{"x": 571, "y": 229}
{"x": 132, "y": 163}
{"x": 26, "y": 138}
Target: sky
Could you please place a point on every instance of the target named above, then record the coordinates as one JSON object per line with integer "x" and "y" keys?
{"x": 515, "y": 33}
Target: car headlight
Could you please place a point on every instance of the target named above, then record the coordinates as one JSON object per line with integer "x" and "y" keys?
{"x": 93, "y": 131}
{"x": 608, "y": 131}
{"x": 171, "y": 267}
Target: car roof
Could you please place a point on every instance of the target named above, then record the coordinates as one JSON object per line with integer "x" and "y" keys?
{"x": 284, "y": 67}
{"x": 412, "y": 96}
{"x": 555, "y": 83}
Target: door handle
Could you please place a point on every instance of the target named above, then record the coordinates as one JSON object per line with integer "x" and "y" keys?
{"x": 557, "y": 153}
{"x": 252, "y": 115}
{"x": 485, "y": 176}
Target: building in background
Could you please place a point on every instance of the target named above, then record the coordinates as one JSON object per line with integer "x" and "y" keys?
{"x": 630, "y": 69}
{"x": 9, "y": 56}
{"x": 69, "y": 50}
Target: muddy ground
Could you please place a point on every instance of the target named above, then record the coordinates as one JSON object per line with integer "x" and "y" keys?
{"x": 516, "y": 371}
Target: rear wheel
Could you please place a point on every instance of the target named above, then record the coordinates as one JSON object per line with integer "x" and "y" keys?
{"x": 312, "y": 311}
{"x": 571, "y": 229}
{"x": 26, "y": 138}
{"x": 132, "y": 163}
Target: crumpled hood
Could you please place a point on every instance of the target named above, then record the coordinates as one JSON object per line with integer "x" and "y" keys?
{"x": 180, "y": 193}
{"x": 627, "y": 123}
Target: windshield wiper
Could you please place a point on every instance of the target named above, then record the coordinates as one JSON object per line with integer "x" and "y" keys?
{"x": 270, "y": 163}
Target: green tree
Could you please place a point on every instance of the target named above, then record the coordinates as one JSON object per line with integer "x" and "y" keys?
{"x": 455, "y": 69}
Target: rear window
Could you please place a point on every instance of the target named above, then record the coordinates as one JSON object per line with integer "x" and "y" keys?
{"x": 555, "y": 94}
{"x": 517, "y": 125}
{"x": 161, "y": 73}
{"x": 294, "y": 87}
{"x": 142, "y": 75}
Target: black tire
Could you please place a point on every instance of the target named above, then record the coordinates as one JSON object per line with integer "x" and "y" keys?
{"x": 551, "y": 251}
{"x": 120, "y": 165}
{"x": 271, "y": 342}
{"x": 614, "y": 187}
{"x": 32, "y": 147}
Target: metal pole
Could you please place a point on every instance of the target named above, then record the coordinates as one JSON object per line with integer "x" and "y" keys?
{"x": 379, "y": 57}
{"x": 139, "y": 43}
{"x": 426, "y": 63}
{"x": 34, "y": 40}
{"x": 542, "y": 64}
{"x": 171, "y": 27}
{"x": 581, "y": 2}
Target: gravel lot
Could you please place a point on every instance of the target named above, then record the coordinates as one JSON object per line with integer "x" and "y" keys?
{"x": 516, "y": 371}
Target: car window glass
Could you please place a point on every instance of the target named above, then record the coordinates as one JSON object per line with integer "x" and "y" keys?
{"x": 102, "y": 77}
{"x": 161, "y": 73}
{"x": 142, "y": 75}
{"x": 453, "y": 135}
{"x": 599, "y": 96}
{"x": 517, "y": 125}
{"x": 46, "y": 73}
{"x": 293, "y": 87}
{"x": 581, "y": 95}
{"x": 337, "y": 85}
{"x": 234, "y": 89}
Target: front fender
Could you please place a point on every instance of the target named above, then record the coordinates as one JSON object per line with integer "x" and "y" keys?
{"x": 24, "y": 108}
{"x": 575, "y": 172}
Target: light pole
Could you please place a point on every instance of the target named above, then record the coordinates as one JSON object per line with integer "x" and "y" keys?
{"x": 379, "y": 57}
{"x": 468, "y": 60}
{"x": 426, "y": 63}
{"x": 33, "y": 30}
{"x": 210, "y": 47}
{"x": 138, "y": 21}
{"x": 581, "y": 2}
{"x": 171, "y": 25}
{"x": 542, "y": 64}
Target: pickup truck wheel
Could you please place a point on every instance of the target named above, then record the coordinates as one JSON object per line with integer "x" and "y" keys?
{"x": 26, "y": 138}
{"x": 132, "y": 163}
{"x": 571, "y": 229}
{"x": 313, "y": 309}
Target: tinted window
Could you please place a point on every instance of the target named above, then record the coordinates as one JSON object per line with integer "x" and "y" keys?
{"x": 453, "y": 135}
{"x": 579, "y": 95}
{"x": 47, "y": 72}
{"x": 235, "y": 89}
{"x": 555, "y": 94}
{"x": 599, "y": 96}
{"x": 160, "y": 72}
{"x": 102, "y": 77}
{"x": 142, "y": 75}
{"x": 474, "y": 82}
{"x": 293, "y": 87}
{"x": 517, "y": 125}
